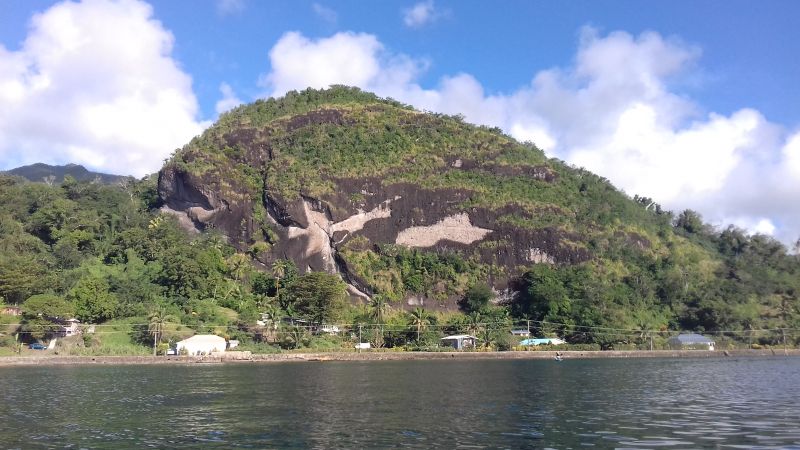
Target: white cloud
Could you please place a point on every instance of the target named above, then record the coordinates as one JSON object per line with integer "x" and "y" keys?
{"x": 229, "y": 99}
{"x": 752, "y": 224}
{"x": 229, "y": 7}
{"x": 325, "y": 13}
{"x": 420, "y": 14}
{"x": 612, "y": 111}
{"x": 356, "y": 59}
{"x": 81, "y": 90}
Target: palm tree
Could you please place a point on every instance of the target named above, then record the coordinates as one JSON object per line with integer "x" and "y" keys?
{"x": 238, "y": 263}
{"x": 280, "y": 269}
{"x": 157, "y": 318}
{"x": 474, "y": 321}
{"x": 378, "y": 309}
{"x": 419, "y": 319}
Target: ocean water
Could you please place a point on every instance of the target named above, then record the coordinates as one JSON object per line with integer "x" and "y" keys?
{"x": 609, "y": 403}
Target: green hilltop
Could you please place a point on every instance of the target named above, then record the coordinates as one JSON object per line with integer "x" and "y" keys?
{"x": 430, "y": 224}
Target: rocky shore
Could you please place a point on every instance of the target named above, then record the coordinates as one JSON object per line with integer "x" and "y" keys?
{"x": 246, "y": 357}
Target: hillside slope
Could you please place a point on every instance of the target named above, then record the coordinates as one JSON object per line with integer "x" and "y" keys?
{"x": 418, "y": 207}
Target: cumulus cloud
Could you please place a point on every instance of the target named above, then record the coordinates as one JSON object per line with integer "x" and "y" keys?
{"x": 229, "y": 99}
{"x": 81, "y": 90}
{"x": 325, "y": 13}
{"x": 613, "y": 111}
{"x": 356, "y": 59}
{"x": 420, "y": 14}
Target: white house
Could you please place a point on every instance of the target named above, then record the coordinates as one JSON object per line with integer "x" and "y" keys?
{"x": 691, "y": 341}
{"x": 201, "y": 344}
{"x": 460, "y": 341}
{"x": 70, "y": 327}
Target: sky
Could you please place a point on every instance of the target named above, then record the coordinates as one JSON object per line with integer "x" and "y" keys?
{"x": 692, "y": 103}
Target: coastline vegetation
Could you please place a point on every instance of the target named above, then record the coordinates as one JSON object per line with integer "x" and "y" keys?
{"x": 107, "y": 256}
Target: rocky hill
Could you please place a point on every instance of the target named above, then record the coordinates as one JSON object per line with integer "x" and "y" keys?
{"x": 341, "y": 180}
{"x": 411, "y": 209}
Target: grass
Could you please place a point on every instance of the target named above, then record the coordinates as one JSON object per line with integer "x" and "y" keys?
{"x": 113, "y": 338}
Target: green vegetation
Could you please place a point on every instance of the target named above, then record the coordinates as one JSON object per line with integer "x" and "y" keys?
{"x": 628, "y": 269}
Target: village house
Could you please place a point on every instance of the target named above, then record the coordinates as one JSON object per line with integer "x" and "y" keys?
{"x": 201, "y": 344}
{"x": 460, "y": 341}
{"x": 690, "y": 341}
{"x": 11, "y": 310}
{"x": 70, "y": 327}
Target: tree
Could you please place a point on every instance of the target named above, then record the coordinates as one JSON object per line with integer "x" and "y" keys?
{"x": 474, "y": 322}
{"x": 92, "y": 299}
{"x": 317, "y": 295}
{"x": 477, "y": 298}
{"x": 42, "y": 313}
{"x": 378, "y": 307}
{"x": 285, "y": 271}
{"x": 157, "y": 318}
{"x": 20, "y": 276}
{"x": 691, "y": 222}
{"x": 543, "y": 295}
{"x": 419, "y": 319}
{"x": 238, "y": 265}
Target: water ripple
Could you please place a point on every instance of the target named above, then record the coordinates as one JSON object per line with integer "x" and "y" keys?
{"x": 719, "y": 403}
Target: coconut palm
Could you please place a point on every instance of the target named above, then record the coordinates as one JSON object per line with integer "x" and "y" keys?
{"x": 474, "y": 322}
{"x": 378, "y": 308}
{"x": 377, "y": 313}
{"x": 419, "y": 319}
{"x": 157, "y": 318}
{"x": 281, "y": 269}
{"x": 238, "y": 264}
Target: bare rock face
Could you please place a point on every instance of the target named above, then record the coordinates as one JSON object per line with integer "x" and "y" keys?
{"x": 311, "y": 234}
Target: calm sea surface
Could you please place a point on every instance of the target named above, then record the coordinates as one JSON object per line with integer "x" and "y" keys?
{"x": 645, "y": 403}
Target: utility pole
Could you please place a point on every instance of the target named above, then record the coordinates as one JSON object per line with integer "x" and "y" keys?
{"x": 359, "y": 338}
{"x": 651, "y": 340}
{"x": 783, "y": 333}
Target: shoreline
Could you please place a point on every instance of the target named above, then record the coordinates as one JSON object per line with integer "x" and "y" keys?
{"x": 243, "y": 358}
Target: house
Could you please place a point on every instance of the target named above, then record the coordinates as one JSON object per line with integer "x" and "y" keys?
{"x": 543, "y": 341}
{"x": 11, "y": 310}
{"x": 328, "y": 329}
{"x": 690, "y": 341}
{"x": 201, "y": 344}
{"x": 69, "y": 327}
{"x": 460, "y": 341}
{"x": 521, "y": 333}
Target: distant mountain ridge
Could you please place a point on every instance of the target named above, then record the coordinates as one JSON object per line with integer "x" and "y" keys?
{"x": 40, "y": 172}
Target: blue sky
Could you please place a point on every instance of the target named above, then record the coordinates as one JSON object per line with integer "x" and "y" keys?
{"x": 690, "y": 102}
